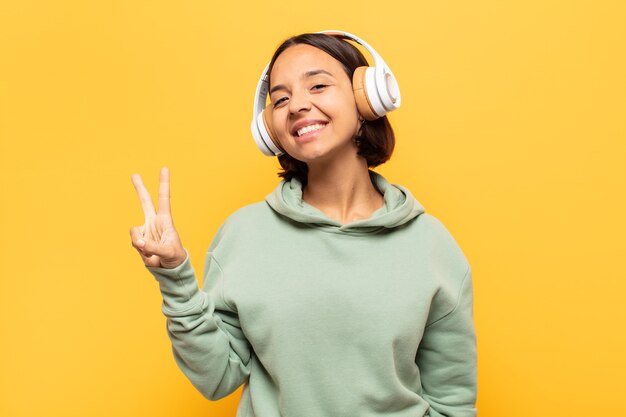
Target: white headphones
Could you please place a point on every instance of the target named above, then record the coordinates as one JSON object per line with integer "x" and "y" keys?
{"x": 375, "y": 90}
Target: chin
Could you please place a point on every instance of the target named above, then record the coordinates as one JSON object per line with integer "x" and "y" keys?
{"x": 325, "y": 155}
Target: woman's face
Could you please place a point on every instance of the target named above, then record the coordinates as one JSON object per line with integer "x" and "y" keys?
{"x": 314, "y": 114}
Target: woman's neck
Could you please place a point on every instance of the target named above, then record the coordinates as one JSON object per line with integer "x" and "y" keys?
{"x": 343, "y": 191}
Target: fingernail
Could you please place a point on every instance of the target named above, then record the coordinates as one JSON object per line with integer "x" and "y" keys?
{"x": 141, "y": 243}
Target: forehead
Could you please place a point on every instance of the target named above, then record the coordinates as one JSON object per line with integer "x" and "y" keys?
{"x": 296, "y": 60}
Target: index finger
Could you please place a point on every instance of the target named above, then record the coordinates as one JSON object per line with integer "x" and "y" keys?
{"x": 144, "y": 196}
{"x": 164, "y": 191}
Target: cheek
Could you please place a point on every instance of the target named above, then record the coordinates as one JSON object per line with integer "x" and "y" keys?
{"x": 349, "y": 112}
{"x": 347, "y": 103}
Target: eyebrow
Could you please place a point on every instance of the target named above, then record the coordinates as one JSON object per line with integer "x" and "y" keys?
{"x": 306, "y": 75}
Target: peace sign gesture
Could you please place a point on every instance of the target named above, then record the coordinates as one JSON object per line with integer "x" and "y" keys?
{"x": 157, "y": 241}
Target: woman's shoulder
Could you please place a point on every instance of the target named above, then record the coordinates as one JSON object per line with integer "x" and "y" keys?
{"x": 240, "y": 224}
{"x": 249, "y": 212}
{"x": 434, "y": 225}
{"x": 439, "y": 241}
{"x": 246, "y": 216}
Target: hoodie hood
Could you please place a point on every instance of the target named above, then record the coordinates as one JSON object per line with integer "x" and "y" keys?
{"x": 399, "y": 207}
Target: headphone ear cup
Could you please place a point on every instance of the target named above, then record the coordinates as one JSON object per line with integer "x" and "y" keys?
{"x": 361, "y": 94}
{"x": 267, "y": 120}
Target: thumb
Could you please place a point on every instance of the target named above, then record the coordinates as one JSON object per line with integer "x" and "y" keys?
{"x": 149, "y": 247}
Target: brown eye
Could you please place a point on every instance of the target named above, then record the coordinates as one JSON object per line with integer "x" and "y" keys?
{"x": 280, "y": 101}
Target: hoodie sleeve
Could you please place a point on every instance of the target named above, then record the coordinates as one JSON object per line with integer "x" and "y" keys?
{"x": 208, "y": 343}
{"x": 446, "y": 359}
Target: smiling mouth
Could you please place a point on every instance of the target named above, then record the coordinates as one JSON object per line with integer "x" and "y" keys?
{"x": 310, "y": 128}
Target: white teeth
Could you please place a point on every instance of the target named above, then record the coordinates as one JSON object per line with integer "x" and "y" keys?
{"x": 309, "y": 128}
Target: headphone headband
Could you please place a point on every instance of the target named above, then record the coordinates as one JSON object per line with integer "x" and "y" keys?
{"x": 376, "y": 91}
{"x": 345, "y": 35}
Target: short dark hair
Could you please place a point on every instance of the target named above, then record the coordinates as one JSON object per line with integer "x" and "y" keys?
{"x": 375, "y": 140}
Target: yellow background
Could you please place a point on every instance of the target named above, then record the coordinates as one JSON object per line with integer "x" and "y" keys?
{"x": 512, "y": 132}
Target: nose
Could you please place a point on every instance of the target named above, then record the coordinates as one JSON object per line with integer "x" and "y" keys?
{"x": 299, "y": 102}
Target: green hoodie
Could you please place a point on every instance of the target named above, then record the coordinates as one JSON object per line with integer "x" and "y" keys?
{"x": 319, "y": 319}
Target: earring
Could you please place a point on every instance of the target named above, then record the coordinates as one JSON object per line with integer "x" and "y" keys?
{"x": 357, "y": 138}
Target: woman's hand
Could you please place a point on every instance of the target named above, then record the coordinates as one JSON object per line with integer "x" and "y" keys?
{"x": 157, "y": 241}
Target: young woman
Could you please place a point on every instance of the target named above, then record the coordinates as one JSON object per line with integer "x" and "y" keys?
{"x": 337, "y": 295}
